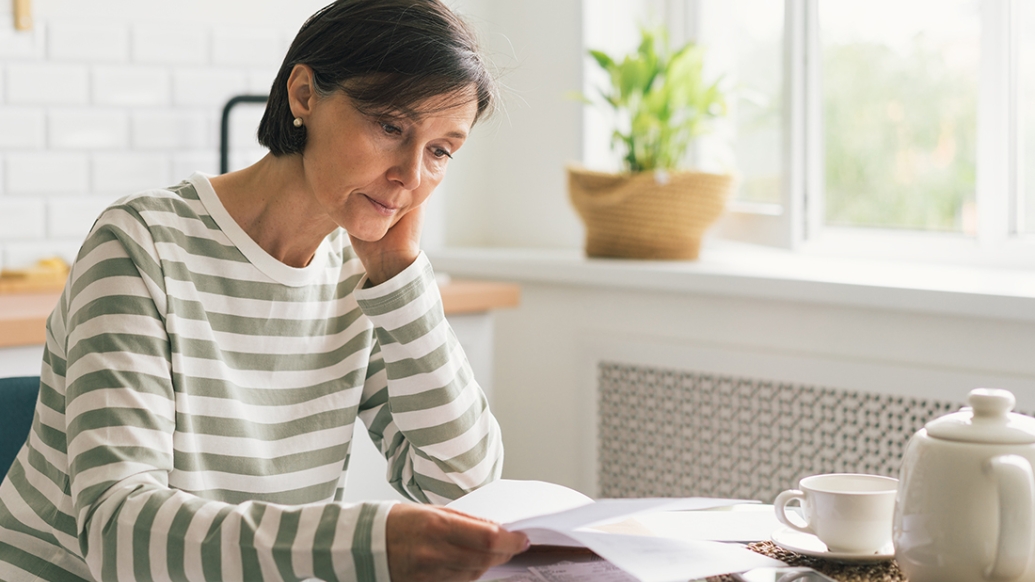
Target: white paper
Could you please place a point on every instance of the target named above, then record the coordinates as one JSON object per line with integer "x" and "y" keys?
{"x": 521, "y": 577}
{"x": 607, "y": 509}
{"x": 555, "y": 515}
{"x": 542, "y": 510}
{"x": 507, "y": 500}
{"x": 652, "y": 559}
{"x": 599, "y": 571}
{"x": 719, "y": 526}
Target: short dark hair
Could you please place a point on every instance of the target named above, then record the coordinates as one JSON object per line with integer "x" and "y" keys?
{"x": 386, "y": 55}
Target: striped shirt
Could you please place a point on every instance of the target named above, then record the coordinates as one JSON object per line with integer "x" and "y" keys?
{"x": 198, "y": 399}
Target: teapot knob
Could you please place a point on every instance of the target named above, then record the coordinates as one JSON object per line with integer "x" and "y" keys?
{"x": 991, "y": 402}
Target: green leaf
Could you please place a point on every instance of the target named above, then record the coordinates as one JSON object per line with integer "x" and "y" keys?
{"x": 661, "y": 97}
{"x": 605, "y": 61}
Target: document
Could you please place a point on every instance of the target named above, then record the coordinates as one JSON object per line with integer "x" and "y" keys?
{"x": 546, "y": 512}
{"x": 599, "y": 571}
{"x": 740, "y": 524}
{"x": 654, "y": 559}
{"x": 595, "y": 571}
{"x": 551, "y": 514}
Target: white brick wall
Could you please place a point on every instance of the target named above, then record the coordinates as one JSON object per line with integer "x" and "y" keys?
{"x": 88, "y": 128}
{"x": 104, "y": 99}
{"x": 236, "y": 46}
{"x": 159, "y": 129}
{"x": 47, "y": 173}
{"x": 48, "y": 84}
{"x": 119, "y": 174}
{"x": 130, "y": 85}
{"x": 72, "y": 216}
{"x": 21, "y": 128}
{"x": 87, "y": 41}
{"x": 18, "y": 44}
{"x": 21, "y": 218}
{"x": 168, "y": 45}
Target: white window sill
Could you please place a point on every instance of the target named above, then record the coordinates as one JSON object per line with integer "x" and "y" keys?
{"x": 742, "y": 270}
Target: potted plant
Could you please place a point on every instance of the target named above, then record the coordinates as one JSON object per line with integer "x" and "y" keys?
{"x": 652, "y": 209}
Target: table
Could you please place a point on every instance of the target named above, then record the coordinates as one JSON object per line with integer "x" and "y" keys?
{"x": 517, "y": 569}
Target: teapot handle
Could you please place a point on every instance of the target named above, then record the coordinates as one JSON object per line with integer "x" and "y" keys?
{"x": 1013, "y": 476}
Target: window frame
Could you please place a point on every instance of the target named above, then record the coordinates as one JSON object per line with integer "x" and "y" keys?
{"x": 797, "y": 222}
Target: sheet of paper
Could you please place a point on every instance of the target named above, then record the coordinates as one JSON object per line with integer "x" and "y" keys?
{"x": 607, "y": 509}
{"x": 520, "y": 577}
{"x": 555, "y": 515}
{"x": 719, "y": 526}
{"x": 507, "y": 500}
{"x": 651, "y": 559}
{"x": 522, "y": 563}
{"x": 599, "y": 571}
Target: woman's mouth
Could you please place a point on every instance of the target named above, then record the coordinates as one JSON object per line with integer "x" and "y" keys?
{"x": 383, "y": 209}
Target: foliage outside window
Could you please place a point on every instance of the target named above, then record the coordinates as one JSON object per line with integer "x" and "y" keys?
{"x": 900, "y": 114}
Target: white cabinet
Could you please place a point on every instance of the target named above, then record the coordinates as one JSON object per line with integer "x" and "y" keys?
{"x": 20, "y": 361}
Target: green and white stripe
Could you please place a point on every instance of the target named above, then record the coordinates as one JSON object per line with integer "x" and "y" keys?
{"x": 198, "y": 400}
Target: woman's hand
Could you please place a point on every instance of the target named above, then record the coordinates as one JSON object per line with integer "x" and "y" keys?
{"x": 397, "y": 249}
{"x": 427, "y": 543}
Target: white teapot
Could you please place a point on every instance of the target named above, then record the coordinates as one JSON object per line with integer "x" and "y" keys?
{"x": 964, "y": 509}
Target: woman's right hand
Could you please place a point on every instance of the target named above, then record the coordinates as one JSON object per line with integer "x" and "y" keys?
{"x": 428, "y": 543}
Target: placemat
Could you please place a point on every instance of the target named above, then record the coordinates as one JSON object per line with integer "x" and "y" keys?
{"x": 840, "y": 571}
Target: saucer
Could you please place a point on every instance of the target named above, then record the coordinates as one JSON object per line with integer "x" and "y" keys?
{"x": 809, "y": 545}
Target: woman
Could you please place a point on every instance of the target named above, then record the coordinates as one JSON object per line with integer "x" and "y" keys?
{"x": 217, "y": 340}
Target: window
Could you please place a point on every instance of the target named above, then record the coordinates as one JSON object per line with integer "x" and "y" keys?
{"x": 902, "y": 127}
{"x": 1026, "y": 112}
{"x": 899, "y": 113}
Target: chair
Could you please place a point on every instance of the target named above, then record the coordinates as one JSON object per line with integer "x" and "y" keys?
{"x": 17, "y": 403}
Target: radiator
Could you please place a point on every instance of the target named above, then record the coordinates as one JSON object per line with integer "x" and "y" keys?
{"x": 666, "y": 433}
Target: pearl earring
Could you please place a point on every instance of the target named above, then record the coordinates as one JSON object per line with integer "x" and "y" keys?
{"x": 298, "y": 122}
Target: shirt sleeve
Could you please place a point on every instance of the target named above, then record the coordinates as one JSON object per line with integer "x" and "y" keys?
{"x": 421, "y": 403}
{"x": 120, "y": 418}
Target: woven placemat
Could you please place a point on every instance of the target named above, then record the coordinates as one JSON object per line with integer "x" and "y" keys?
{"x": 840, "y": 571}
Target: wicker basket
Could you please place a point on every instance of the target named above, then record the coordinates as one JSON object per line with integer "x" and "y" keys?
{"x": 639, "y": 216}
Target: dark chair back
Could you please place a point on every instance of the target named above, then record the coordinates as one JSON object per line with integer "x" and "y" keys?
{"x": 17, "y": 403}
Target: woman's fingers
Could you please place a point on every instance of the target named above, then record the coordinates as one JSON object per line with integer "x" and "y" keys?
{"x": 430, "y": 543}
{"x": 485, "y": 536}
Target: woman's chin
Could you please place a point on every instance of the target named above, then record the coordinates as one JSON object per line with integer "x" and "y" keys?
{"x": 367, "y": 234}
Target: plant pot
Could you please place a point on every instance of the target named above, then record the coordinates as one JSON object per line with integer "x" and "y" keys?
{"x": 647, "y": 215}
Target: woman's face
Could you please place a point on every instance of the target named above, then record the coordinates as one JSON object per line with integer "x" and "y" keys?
{"x": 367, "y": 170}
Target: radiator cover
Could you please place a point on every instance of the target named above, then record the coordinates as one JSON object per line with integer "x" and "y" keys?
{"x": 666, "y": 433}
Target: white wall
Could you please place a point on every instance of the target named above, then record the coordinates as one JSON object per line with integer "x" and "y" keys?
{"x": 507, "y": 186}
{"x": 106, "y": 97}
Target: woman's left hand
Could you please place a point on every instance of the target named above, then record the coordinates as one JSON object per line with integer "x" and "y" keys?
{"x": 397, "y": 249}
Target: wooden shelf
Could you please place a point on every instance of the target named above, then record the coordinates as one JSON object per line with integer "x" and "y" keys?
{"x": 462, "y": 296}
{"x": 23, "y": 318}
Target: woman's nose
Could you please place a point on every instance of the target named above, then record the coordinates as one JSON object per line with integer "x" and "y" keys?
{"x": 407, "y": 170}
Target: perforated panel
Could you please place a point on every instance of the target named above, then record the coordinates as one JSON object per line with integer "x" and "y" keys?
{"x": 683, "y": 433}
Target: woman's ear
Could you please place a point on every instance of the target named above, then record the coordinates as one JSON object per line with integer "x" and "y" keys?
{"x": 301, "y": 91}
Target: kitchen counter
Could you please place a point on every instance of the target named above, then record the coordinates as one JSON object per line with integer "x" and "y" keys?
{"x": 23, "y": 315}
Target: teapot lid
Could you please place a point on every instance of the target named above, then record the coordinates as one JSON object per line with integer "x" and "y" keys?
{"x": 987, "y": 420}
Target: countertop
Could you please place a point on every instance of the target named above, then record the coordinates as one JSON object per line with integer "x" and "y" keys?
{"x": 23, "y": 315}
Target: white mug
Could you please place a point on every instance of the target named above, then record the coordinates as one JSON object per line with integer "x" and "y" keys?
{"x": 849, "y": 512}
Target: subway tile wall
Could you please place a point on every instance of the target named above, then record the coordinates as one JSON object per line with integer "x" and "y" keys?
{"x": 93, "y": 110}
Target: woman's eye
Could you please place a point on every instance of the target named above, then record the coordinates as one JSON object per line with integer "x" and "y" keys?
{"x": 390, "y": 129}
{"x": 441, "y": 153}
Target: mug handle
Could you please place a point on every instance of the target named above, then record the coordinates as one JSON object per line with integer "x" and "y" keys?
{"x": 1013, "y": 477}
{"x": 781, "y": 509}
